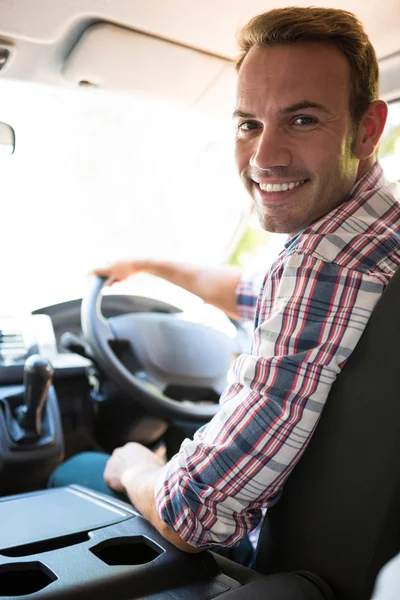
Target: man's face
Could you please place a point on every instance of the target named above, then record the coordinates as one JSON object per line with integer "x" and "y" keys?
{"x": 294, "y": 133}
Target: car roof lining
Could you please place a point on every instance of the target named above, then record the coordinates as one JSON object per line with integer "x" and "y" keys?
{"x": 43, "y": 35}
{"x": 208, "y": 25}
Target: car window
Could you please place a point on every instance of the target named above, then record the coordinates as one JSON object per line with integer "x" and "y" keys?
{"x": 390, "y": 143}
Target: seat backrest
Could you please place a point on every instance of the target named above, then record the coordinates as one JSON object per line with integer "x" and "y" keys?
{"x": 339, "y": 514}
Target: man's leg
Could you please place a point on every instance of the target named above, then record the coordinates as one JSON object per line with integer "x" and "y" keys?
{"x": 85, "y": 469}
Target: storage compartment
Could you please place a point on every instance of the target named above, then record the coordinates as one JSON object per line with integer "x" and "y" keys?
{"x": 22, "y": 579}
{"x": 67, "y": 512}
{"x": 127, "y": 551}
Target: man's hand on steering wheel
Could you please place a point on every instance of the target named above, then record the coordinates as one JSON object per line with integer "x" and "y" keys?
{"x": 121, "y": 270}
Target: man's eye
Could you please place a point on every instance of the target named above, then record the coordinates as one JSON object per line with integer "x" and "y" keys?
{"x": 247, "y": 126}
{"x": 304, "y": 121}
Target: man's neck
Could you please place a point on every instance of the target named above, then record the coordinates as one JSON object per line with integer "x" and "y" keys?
{"x": 365, "y": 166}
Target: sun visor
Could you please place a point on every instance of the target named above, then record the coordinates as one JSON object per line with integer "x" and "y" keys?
{"x": 115, "y": 58}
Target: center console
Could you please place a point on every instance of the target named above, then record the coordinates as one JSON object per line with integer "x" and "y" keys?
{"x": 73, "y": 543}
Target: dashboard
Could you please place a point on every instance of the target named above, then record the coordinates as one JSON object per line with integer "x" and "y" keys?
{"x": 41, "y": 332}
{"x": 89, "y": 424}
{"x": 22, "y": 336}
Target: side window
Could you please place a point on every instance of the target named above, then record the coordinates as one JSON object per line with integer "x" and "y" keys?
{"x": 256, "y": 248}
{"x": 254, "y": 238}
{"x": 389, "y": 151}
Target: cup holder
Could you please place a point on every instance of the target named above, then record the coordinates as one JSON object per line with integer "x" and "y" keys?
{"x": 22, "y": 579}
{"x": 127, "y": 551}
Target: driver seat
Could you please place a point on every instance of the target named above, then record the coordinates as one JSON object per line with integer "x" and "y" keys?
{"x": 339, "y": 514}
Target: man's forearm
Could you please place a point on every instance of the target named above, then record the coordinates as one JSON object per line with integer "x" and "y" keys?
{"x": 139, "y": 483}
{"x": 216, "y": 286}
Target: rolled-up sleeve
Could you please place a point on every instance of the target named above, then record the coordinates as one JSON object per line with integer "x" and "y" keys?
{"x": 309, "y": 317}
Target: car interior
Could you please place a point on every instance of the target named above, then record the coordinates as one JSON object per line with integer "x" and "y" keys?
{"x": 115, "y": 141}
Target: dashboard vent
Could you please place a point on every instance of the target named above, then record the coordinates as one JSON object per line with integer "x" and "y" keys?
{"x": 12, "y": 345}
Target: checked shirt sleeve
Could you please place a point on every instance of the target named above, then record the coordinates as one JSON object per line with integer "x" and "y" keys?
{"x": 310, "y": 316}
{"x": 246, "y": 297}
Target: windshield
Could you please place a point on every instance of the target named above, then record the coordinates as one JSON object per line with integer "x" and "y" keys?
{"x": 98, "y": 177}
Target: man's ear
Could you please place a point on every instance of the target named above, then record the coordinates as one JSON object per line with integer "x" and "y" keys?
{"x": 370, "y": 129}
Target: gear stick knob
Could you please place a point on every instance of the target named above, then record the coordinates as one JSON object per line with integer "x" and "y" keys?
{"x": 38, "y": 376}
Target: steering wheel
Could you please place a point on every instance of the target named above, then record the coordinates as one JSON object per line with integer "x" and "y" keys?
{"x": 167, "y": 352}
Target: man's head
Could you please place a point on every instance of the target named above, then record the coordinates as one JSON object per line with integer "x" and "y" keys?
{"x": 307, "y": 113}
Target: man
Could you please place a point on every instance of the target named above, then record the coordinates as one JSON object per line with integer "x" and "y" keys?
{"x": 308, "y": 122}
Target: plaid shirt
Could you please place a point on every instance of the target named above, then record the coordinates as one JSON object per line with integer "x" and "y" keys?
{"x": 313, "y": 306}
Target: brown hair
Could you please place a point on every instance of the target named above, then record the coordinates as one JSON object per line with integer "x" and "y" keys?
{"x": 293, "y": 25}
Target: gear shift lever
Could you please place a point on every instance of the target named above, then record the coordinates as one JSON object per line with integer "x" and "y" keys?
{"x": 38, "y": 376}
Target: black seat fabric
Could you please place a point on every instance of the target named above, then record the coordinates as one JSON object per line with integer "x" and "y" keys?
{"x": 339, "y": 514}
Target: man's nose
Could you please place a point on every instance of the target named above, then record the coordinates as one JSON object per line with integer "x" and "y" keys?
{"x": 271, "y": 150}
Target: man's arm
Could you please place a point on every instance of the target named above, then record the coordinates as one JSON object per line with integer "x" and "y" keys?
{"x": 311, "y": 316}
{"x": 134, "y": 470}
{"x": 216, "y": 286}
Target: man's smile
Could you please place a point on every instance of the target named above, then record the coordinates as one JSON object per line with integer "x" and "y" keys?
{"x": 276, "y": 192}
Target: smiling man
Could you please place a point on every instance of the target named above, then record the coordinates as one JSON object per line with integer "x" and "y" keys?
{"x": 301, "y": 145}
{"x": 308, "y": 122}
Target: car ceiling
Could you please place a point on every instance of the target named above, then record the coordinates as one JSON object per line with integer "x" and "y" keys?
{"x": 42, "y": 35}
{"x": 208, "y": 25}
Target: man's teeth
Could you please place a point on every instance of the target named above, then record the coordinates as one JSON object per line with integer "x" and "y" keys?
{"x": 280, "y": 187}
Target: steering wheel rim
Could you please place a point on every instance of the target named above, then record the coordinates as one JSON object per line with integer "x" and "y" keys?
{"x": 98, "y": 333}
